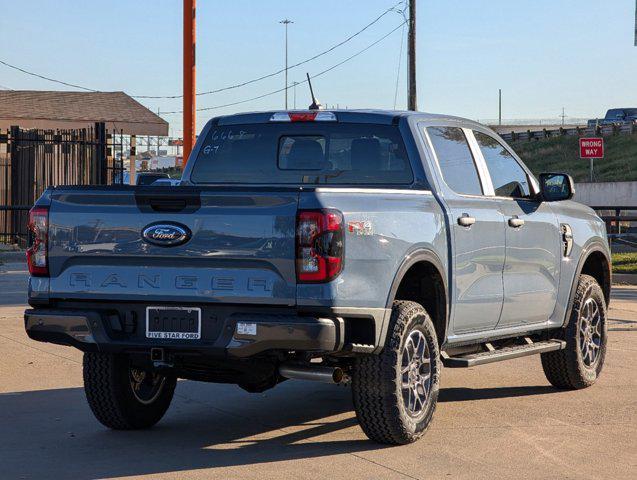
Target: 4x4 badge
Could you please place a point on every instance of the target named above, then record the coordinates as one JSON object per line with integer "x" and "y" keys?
{"x": 360, "y": 228}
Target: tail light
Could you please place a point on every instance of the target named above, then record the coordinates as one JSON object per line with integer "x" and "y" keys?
{"x": 304, "y": 116}
{"x": 37, "y": 253}
{"x": 319, "y": 245}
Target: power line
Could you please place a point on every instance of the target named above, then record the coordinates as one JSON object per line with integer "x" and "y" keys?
{"x": 230, "y": 87}
{"x": 274, "y": 92}
{"x": 263, "y": 77}
{"x": 303, "y": 62}
{"x": 46, "y": 78}
{"x": 400, "y": 56}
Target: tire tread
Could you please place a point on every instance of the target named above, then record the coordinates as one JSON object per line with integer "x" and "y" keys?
{"x": 375, "y": 400}
{"x": 105, "y": 386}
{"x": 562, "y": 367}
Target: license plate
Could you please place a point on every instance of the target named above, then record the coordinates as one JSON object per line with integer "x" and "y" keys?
{"x": 173, "y": 323}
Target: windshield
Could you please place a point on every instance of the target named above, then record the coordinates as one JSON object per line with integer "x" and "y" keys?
{"x": 308, "y": 152}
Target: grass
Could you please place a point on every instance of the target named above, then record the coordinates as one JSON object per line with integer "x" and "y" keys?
{"x": 561, "y": 154}
{"x": 624, "y": 262}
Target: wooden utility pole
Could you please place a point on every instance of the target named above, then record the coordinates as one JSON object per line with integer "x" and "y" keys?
{"x": 412, "y": 103}
{"x": 190, "y": 107}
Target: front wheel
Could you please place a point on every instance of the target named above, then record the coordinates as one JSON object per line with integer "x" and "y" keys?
{"x": 581, "y": 362}
{"x": 395, "y": 393}
{"x": 122, "y": 396}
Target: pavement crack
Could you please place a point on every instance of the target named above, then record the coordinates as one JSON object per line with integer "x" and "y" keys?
{"x": 39, "y": 349}
{"x": 384, "y": 466}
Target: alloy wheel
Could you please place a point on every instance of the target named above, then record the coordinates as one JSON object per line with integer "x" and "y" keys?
{"x": 415, "y": 373}
{"x": 146, "y": 386}
{"x": 590, "y": 332}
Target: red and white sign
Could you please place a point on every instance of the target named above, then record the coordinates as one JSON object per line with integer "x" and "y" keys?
{"x": 591, "y": 148}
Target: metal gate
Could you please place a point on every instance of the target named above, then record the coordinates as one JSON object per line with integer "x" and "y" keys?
{"x": 32, "y": 160}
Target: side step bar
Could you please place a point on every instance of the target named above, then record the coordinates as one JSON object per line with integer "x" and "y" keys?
{"x": 500, "y": 354}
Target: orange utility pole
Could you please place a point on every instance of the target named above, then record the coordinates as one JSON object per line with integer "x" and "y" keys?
{"x": 190, "y": 107}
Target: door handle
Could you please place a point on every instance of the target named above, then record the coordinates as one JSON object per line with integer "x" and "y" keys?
{"x": 515, "y": 222}
{"x": 465, "y": 220}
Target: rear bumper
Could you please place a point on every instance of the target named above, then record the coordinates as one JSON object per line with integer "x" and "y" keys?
{"x": 110, "y": 331}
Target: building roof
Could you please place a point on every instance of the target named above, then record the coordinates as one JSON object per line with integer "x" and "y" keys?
{"x": 46, "y": 109}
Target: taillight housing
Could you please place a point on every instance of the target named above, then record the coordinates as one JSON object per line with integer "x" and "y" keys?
{"x": 304, "y": 116}
{"x": 319, "y": 245}
{"x": 37, "y": 253}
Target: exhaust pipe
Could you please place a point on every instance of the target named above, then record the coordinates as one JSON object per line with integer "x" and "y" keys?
{"x": 317, "y": 374}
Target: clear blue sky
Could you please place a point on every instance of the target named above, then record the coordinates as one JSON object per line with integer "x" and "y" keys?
{"x": 544, "y": 54}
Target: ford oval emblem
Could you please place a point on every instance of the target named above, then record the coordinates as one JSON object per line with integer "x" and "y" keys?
{"x": 166, "y": 234}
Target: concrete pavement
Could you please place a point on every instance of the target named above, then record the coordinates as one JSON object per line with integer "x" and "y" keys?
{"x": 13, "y": 283}
{"x": 495, "y": 421}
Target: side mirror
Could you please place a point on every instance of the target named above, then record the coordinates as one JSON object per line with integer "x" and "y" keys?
{"x": 556, "y": 186}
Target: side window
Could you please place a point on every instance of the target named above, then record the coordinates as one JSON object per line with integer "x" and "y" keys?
{"x": 508, "y": 177}
{"x": 455, "y": 159}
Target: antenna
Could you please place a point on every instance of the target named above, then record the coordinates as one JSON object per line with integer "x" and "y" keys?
{"x": 315, "y": 103}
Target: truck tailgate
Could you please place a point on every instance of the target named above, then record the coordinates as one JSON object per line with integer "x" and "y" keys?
{"x": 241, "y": 246}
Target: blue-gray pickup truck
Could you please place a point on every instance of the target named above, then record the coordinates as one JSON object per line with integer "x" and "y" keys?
{"x": 360, "y": 247}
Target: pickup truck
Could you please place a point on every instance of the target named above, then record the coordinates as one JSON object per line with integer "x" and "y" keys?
{"x": 361, "y": 247}
{"x": 616, "y": 116}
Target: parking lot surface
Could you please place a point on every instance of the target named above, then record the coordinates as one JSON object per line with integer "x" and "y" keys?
{"x": 502, "y": 420}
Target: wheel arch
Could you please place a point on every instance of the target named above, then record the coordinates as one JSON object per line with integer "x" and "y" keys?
{"x": 594, "y": 261}
{"x": 421, "y": 278}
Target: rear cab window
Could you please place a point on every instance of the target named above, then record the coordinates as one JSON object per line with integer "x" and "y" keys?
{"x": 455, "y": 160}
{"x": 303, "y": 152}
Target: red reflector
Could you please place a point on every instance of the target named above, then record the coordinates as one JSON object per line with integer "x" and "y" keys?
{"x": 37, "y": 253}
{"x": 302, "y": 116}
{"x": 319, "y": 245}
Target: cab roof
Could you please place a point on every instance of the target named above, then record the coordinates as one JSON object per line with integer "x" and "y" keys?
{"x": 386, "y": 117}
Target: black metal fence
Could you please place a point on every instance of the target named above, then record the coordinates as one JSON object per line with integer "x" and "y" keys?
{"x": 621, "y": 226}
{"x": 32, "y": 160}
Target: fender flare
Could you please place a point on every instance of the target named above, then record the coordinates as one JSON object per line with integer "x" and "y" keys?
{"x": 412, "y": 258}
{"x": 592, "y": 246}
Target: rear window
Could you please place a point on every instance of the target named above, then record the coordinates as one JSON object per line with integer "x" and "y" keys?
{"x": 293, "y": 153}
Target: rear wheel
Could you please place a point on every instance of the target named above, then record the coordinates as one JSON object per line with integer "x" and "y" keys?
{"x": 581, "y": 362}
{"x": 122, "y": 396}
{"x": 395, "y": 393}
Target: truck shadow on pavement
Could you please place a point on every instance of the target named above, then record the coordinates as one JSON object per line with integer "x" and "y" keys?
{"x": 52, "y": 433}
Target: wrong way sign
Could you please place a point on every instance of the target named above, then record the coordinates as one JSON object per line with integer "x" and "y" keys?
{"x": 591, "y": 148}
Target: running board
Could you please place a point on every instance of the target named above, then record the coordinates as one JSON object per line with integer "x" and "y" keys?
{"x": 500, "y": 354}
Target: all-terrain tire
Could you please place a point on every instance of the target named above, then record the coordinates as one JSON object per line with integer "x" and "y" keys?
{"x": 377, "y": 380}
{"x": 567, "y": 368}
{"x": 111, "y": 397}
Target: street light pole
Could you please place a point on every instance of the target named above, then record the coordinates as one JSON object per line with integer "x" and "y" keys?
{"x": 499, "y": 106}
{"x": 286, "y": 22}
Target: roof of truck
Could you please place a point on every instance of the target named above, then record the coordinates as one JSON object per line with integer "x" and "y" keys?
{"x": 348, "y": 116}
